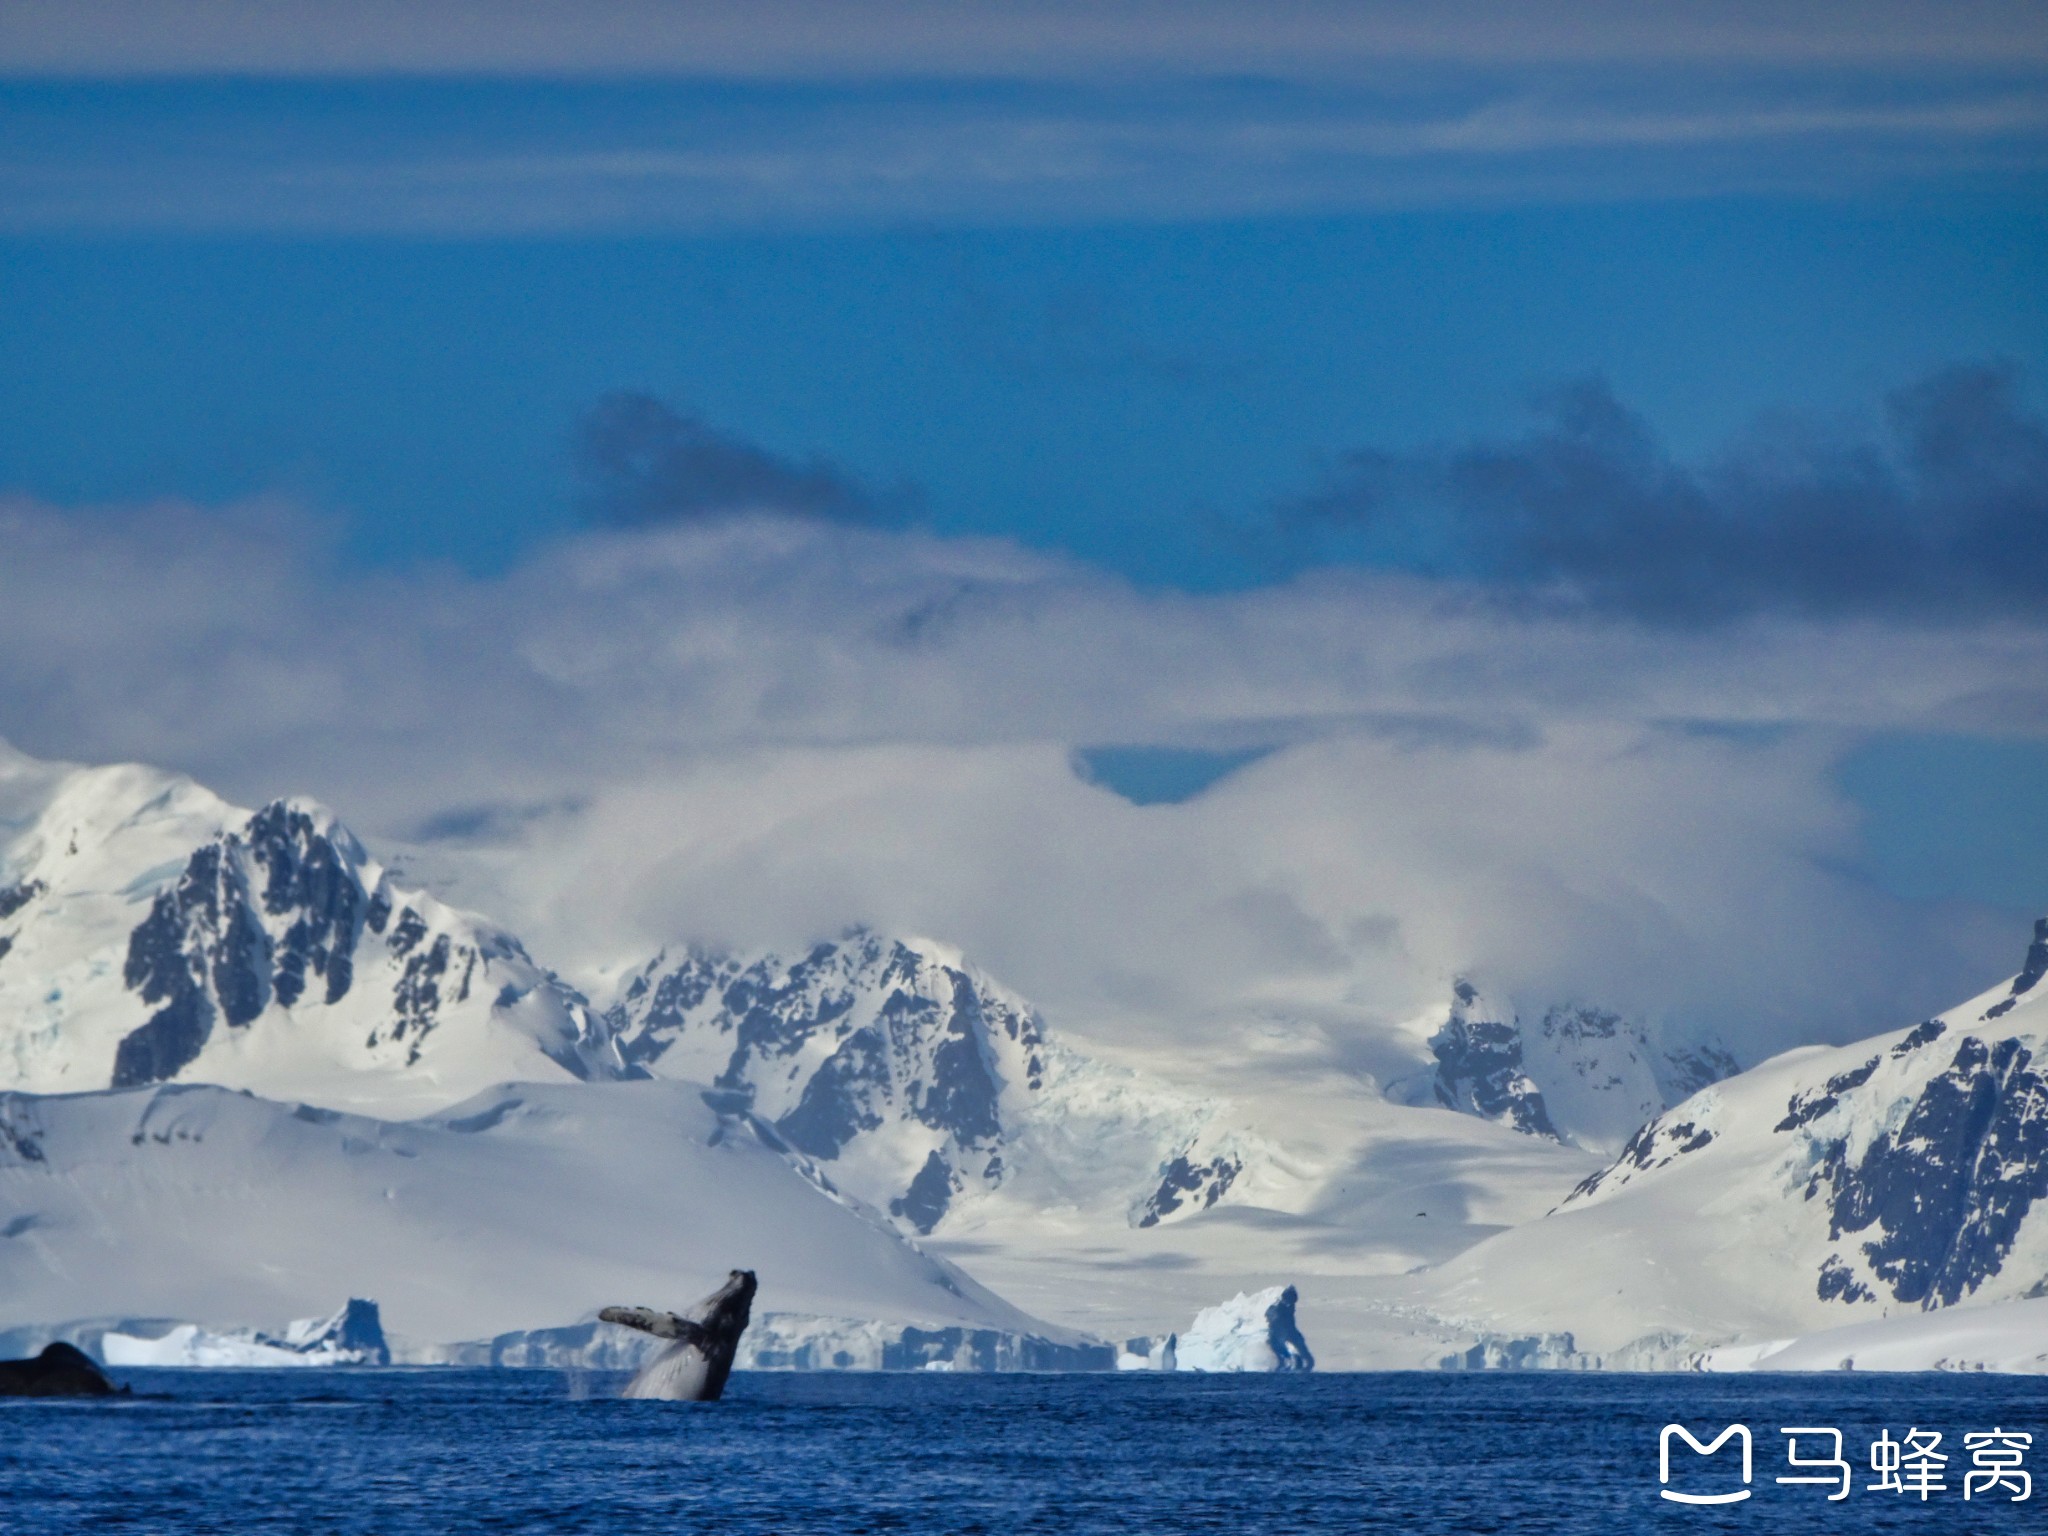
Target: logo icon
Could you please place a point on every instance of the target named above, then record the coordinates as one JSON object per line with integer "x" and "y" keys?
{"x": 1732, "y": 1432}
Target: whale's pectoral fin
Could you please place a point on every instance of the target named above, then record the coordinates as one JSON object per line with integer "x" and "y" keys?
{"x": 663, "y": 1325}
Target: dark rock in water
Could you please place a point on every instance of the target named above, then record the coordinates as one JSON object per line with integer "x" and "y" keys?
{"x": 61, "y": 1370}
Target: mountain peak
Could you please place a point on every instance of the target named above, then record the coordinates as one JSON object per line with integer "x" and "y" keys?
{"x": 152, "y": 931}
{"x": 920, "y": 1080}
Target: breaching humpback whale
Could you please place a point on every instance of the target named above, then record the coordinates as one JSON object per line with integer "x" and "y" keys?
{"x": 694, "y": 1368}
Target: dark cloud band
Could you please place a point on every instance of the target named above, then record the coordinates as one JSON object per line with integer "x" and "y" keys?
{"x": 644, "y": 464}
{"x": 1940, "y": 514}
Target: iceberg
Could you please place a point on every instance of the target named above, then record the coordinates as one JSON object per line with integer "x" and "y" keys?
{"x": 1148, "y": 1354}
{"x": 1253, "y": 1331}
{"x": 352, "y": 1336}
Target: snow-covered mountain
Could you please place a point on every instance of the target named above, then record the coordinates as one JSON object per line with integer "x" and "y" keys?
{"x": 922, "y": 1083}
{"x": 1577, "y": 1073}
{"x": 151, "y": 932}
{"x": 1825, "y": 1187}
{"x": 528, "y": 1206}
{"x": 154, "y": 939}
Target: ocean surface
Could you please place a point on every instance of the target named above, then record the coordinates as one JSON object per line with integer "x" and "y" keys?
{"x": 435, "y": 1452}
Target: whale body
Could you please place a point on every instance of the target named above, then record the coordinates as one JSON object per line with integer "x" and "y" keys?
{"x": 693, "y": 1369}
{"x": 61, "y": 1370}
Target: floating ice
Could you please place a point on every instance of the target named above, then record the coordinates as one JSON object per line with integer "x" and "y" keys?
{"x": 352, "y": 1336}
{"x": 1253, "y": 1331}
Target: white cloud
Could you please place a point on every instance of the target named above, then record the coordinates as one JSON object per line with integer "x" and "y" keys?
{"x": 930, "y": 37}
{"x": 462, "y": 155}
{"x": 759, "y": 731}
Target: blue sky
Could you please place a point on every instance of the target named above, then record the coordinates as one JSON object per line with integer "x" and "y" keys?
{"x": 1712, "y": 317}
{"x": 1133, "y": 395}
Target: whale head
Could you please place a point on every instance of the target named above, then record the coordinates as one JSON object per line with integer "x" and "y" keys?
{"x": 728, "y": 1309}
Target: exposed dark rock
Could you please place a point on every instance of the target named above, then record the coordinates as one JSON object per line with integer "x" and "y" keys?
{"x": 962, "y": 1095}
{"x": 661, "y": 1002}
{"x": 416, "y": 1000}
{"x": 1686, "y": 1070}
{"x": 20, "y": 1137}
{"x": 1839, "y": 1283}
{"x": 1947, "y": 1195}
{"x": 161, "y": 1048}
{"x": 2031, "y": 972}
{"x": 307, "y": 875}
{"x": 897, "y": 1037}
{"x": 407, "y": 935}
{"x": 1479, "y": 1070}
{"x": 1805, "y": 1108}
{"x": 1920, "y": 1034}
{"x": 14, "y": 897}
{"x": 832, "y": 1111}
{"x": 1184, "y": 1182}
{"x": 204, "y": 953}
{"x": 187, "y": 941}
{"x": 924, "y": 1204}
{"x": 2036, "y": 965}
{"x": 1658, "y": 1143}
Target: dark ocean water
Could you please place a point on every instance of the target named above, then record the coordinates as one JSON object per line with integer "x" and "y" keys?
{"x": 426, "y": 1453}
